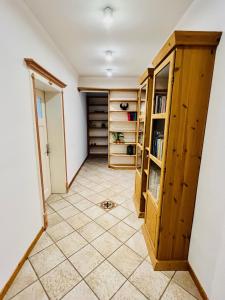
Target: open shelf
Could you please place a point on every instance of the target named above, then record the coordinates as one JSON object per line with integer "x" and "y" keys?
{"x": 125, "y": 143}
{"x": 159, "y": 116}
{"x": 122, "y": 154}
{"x": 156, "y": 160}
{"x": 121, "y": 166}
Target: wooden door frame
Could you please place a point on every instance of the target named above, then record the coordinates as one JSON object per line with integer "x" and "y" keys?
{"x": 31, "y": 64}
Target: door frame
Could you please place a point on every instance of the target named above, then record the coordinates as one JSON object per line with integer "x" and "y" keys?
{"x": 44, "y": 74}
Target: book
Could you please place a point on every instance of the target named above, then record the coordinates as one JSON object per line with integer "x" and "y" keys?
{"x": 160, "y": 104}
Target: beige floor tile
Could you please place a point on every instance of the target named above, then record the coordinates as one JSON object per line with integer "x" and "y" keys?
{"x": 41, "y": 244}
{"x": 86, "y": 259}
{"x": 118, "y": 198}
{"x": 91, "y": 231}
{"x": 87, "y": 192}
{"x": 122, "y": 231}
{"x": 94, "y": 212}
{"x": 128, "y": 292}
{"x": 59, "y": 204}
{"x": 47, "y": 259}
{"x": 68, "y": 194}
{"x": 68, "y": 212}
{"x": 169, "y": 274}
{"x": 71, "y": 243}
{"x": 79, "y": 220}
{"x": 120, "y": 212}
{"x": 137, "y": 243}
{"x": 98, "y": 188}
{"x": 129, "y": 204}
{"x": 151, "y": 283}
{"x": 54, "y": 219}
{"x": 106, "y": 244}
{"x": 25, "y": 277}
{"x": 96, "y": 198}
{"x": 59, "y": 231}
{"x": 80, "y": 292}
{"x": 83, "y": 204}
{"x": 75, "y": 198}
{"x": 183, "y": 278}
{"x": 125, "y": 260}
{"x": 54, "y": 197}
{"x": 133, "y": 221}
{"x": 60, "y": 280}
{"x": 49, "y": 210}
{"x": 34, "y": 291}
{"x": 105, "y": 281}
{"x": 107, "y": 193}
{"x": 107, "y": 221}
{"x": 175, "y": 292}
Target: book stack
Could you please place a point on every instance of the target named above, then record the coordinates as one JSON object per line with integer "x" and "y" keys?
{"x": 132, "y": 116}
{"x": 157, "y": 144}
{"x": 154, "y": 182}
{"x": 160, "y": 104}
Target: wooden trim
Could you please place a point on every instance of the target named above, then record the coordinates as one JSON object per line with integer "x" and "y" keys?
{"x": 64, "y": 134}
{"x": 147, "y": 73}
{"x": 20, "y": 264}
{"x": 187, "y": 38}
{"x": 33, "y": 65}
{"x": 197, "y": 283}
{"x": 94, "y": 89}
{"x": 75, "y": 175}
{"x": 39, "y": 153}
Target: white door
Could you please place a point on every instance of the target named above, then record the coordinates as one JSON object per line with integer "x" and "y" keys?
{"x": 42, "y": 125}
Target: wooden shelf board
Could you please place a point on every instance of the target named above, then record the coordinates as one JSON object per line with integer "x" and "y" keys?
{"x": 122, "y": 166}
{"x": 156, "y": 160}
{"x": 97, "y": 127}
{"x": 98, "y": 112}
{"x": 139, "y": 171}
{"x": 146, "y": 171}
{"x": 123, "y": 100}
{"x": 98, "y": 120}
{"x": 125, "y": 131}
{"x": 122, "y": 154}
{"x": 123, "y": 111}
{"x": 147, "y": 149}
{"x": 94, "y": 105}
{"x": 125, "y": 143}
{"x": 97, "y": 136}
{"x": 123, "y": 121}
{"x": 159, "y": 116}
{"x": 98, "y": 146}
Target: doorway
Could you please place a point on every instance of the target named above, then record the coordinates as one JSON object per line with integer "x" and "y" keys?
{"x": 50, "y": 132}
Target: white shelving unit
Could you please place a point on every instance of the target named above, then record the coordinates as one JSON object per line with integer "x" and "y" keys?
{"x": 122, "y": 122}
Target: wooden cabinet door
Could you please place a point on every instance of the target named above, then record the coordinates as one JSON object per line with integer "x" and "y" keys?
{"x": 151, "y": 220}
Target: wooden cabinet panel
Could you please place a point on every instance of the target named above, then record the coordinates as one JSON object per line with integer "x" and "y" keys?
{"x": 181, "y": 99}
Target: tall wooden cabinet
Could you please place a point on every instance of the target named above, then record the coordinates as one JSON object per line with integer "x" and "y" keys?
{"x": 181, "y": 89}
{"x": 142, "y": 139}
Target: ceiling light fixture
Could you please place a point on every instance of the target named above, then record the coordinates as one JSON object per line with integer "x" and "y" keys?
{"x": 108, "y": 15}
{"x": 108, "y": 55}
{"x": 109, "y": 72}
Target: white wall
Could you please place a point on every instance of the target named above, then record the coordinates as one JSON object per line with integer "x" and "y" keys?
{"x": 20, "y": 212}
{"x": 108, "y": 82}
{"x": 207, "y": 248}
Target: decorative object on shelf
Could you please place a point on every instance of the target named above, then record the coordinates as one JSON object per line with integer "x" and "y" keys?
{"x": 103, "y": 125}
{"x": 130, "y": 150}
{"x": 132, "y": 116}
{"x": 118, "y": 137}
{"x": 124, "y": 106}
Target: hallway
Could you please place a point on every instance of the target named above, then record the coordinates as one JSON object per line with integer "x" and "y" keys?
{"x": 89, "y": 253}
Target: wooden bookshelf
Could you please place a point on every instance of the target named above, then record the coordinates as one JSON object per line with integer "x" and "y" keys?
{"x": 182, "y": 83}
{"x": 122, "y": 123}
{"x": 142, "y": 139}
{"x": 97, "y": 115}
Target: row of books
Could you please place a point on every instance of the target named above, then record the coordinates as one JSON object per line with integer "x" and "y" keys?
{"x": 154, "y": 182}
{"x": 132, "y": 116}
{"x": 160, "y": 104}
{"x": 157, "y": 144}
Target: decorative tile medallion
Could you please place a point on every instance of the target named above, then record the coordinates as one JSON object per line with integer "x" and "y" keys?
{"x": 107, "y": 205}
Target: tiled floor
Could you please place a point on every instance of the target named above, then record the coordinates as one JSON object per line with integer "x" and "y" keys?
{"x": 89, "y": 254}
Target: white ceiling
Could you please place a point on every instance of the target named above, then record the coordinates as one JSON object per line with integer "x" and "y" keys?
{"x": 138, "y": 30}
